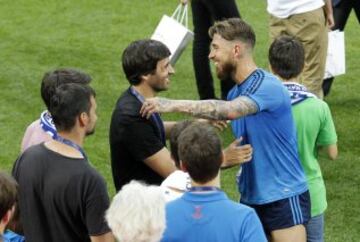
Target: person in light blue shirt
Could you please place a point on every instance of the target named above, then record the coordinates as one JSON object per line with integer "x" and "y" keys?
{"x": 205, "y": 213}
{"x": 273, "y": 183}
{"x": 271, "y": 131}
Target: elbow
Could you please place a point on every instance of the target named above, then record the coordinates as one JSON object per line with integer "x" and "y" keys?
{"x": 333, "y": 152}
{"x": 333, "y": 156}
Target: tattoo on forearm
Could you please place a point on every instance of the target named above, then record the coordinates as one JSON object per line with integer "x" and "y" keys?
{"x": 211, "y": 109}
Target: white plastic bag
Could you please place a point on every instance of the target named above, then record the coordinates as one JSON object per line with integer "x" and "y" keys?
{"x": 335, "y": 60}
{"x": 173, "y": 33}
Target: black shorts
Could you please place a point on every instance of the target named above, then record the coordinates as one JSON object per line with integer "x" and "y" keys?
{"x": 284, "y": 213}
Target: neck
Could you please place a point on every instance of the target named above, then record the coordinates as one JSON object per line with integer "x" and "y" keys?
{"x": 145, "y": 90}
{"x": 294, "y": 79}
{"x": 244, "y": 68}
{"x": 73, "y": 136}
{"x": 213, "y": 183}
{"x": 64, "y": 149}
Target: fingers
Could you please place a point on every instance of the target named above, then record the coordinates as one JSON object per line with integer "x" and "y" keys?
{"x": 236, "y": 142}
{"x": 147, "y": 110}
{"x": 219, "y": 124}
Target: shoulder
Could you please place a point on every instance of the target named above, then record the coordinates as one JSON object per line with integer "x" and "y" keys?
{"x": 34, "y": 125}
{"x": 178, "y": 179}
{"x": 127, "y": 106}
{"x": 34, "y": 151}
{"x": 92, "y": 175}
{"x": 312, "y": 105}
{"x": 264, "y": 82}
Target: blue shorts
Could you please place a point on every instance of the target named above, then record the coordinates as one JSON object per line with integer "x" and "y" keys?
{"x": 284, "y": 213}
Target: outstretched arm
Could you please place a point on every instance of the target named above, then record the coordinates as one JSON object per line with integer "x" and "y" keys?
{"x": 209, "y": 109}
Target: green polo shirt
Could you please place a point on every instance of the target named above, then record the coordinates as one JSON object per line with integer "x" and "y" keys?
{"x": 315, "y": 127}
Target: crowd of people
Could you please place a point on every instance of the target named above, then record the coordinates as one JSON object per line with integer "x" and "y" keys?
{"x": 278, "y": 118}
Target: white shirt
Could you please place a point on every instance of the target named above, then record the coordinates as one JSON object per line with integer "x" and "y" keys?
{"x": 286, "y": 8}
{"x": 175, "y": 185}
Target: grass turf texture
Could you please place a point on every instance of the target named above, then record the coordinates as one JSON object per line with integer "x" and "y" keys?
{"x": 37, "y": 36}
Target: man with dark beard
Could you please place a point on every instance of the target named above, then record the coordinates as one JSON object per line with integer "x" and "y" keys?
{"x": 138, "y": 145}
{"x": 61, "y": 196}
{"x": 273, "y": 182}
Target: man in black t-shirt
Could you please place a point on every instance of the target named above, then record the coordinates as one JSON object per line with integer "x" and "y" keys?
{"x": 61, "y": 196}
{"x": 137, "y": 144}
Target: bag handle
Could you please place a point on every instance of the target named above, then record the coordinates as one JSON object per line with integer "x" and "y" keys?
{"x": 181, "y": 14}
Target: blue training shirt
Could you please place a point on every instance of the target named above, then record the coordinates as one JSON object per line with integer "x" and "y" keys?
{"x": 211, "y": 217}
{"x": 275, "y": 172}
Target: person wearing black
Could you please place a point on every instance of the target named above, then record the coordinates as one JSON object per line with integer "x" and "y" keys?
{"x": 137, "y": 145}
{"x": 62, "y": 197}
{"x": 341, "y": 11}
{"x": 204, "y": 13}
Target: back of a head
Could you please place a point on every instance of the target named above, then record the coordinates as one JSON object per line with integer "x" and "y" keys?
{"x": 53, "y": 79}
{"x": 8, "y": 193}
{"x": 137, "y": 213}
{"x": 286, "y": 57}
{"x": 234, "y": 29}
{"x": 174, "y": 137}
{"x": 200, "y": 152}
{"x": 68, "y": 102}
{"x": 141, "y": 58}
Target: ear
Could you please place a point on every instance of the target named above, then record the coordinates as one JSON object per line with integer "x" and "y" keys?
{"x": 183, "y": 166}
{"x": 8, "y": 215}
{"x": 144, "y": 78}
{"x": 238, "y": 50}
{"x": 83, "y": 119}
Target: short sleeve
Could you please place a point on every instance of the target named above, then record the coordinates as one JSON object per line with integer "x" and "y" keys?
{"x": 327, "y": 134}
{"x": 268, "y": 96}
{"x": 97, "y": 202}
{"x": 252, "y": 229}
{"x": 142, "y": 140}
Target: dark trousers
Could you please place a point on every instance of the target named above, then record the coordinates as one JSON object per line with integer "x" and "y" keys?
{"x": 341, "y": 15}
{"x": 205, "y": 12}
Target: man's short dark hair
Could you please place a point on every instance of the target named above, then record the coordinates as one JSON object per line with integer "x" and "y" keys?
{"x": 174, "y": 136}
{"x": 234, "y": 29}
{"x": 51, "y": 80}
{"x": 141, "y": 58}
{"x": 287, "y": 57}
{"x": 68, "y": 102}
{"x": 8, "y": 193}
{"x": 200, "y": 152}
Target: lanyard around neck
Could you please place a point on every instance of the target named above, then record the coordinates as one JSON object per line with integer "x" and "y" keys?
{"x": 70, "y": 143}
{"x": 205, "y": 189}
{"x": 155, "y": 116}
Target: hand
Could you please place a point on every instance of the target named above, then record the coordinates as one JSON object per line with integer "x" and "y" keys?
{"x": 150, "y": 106}
{"x": 330, "y": 20}
{"x": 237, "y": 154}
{"x": 183, "y": 2}
{"x": 329, "y": 14}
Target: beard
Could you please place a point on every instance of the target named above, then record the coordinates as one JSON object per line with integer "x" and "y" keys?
{"x": 226, "y": 72}
{"x": 159, "y": 87}
{"x": 90, "y": 132}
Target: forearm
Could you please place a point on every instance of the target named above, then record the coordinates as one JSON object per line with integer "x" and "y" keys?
{"x": 329, "y": 13}
{"x": 328, "y": 7}
{"x": 209, "y": 109}
{"x": 168, "y": 126}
